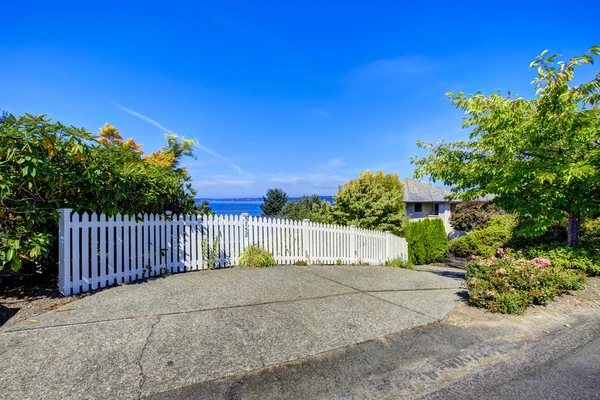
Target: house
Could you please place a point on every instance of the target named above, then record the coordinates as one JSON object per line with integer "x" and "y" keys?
{"x": 426, "y": 201}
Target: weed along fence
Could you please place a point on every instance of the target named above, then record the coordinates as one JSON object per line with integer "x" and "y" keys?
{"x": 96, "y": 251}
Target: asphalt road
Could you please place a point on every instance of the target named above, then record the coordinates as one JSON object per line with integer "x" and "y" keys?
{"x": 571, "y": 375}
{"x": 574, "y": 376}
{"x": 436, "y": 361}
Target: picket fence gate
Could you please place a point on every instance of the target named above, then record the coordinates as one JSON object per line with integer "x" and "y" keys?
{"x": 97, "y": 251}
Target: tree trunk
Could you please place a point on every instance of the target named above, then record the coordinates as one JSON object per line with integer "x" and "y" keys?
{"x": 573, "y": 229}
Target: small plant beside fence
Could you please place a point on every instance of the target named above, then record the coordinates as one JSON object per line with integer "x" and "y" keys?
{"x": 96, "y": 251}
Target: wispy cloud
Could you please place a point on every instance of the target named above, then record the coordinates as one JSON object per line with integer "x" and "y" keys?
{"x": 332, "y": 164}
{"x": 393, "y": 70}
{"x": 143, "y": 117}
{"x": 321, "y": 113}
{"x": 315, "y": 179}
{"x": 159, "y": 126}
{"x": 224, "y": 181}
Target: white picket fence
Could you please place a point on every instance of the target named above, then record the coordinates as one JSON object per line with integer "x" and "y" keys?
{"x": 96, "y": 251}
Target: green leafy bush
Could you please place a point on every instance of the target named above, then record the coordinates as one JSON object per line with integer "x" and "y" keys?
{"x": 301, "y": 263}
{"x": 484, "y": 242}
{"x": 47, "y": 165}
{"x": 473, "y": 215}
{"x": 254, "y": 256}
{"x": 427, "y": 241}
{"x": 399, "y": 263}
{"x": 508, "y": 284}
{"x": 581, "y": 258}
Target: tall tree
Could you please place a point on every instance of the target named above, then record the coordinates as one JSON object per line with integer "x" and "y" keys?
{"x": 540, "y": 157}
{"x": 306, "y": 207}
{"x": 274, "y": 202}
{"x": 372, "y": 201}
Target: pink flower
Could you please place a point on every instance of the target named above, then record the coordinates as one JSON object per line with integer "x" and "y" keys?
{"x": 500, "y": 250}
{"x": 541, "y": 262}
{"x": 519, "y": 252}
{"x": 473, "y": 256}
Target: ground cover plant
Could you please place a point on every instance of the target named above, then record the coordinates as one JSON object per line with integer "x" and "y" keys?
{"x": 509, "y": 283}
{"x": 256, "y": 257}
{"x": 399, "y": 263}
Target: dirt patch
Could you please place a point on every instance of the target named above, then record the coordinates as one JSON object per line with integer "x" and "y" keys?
{"x": 536, "y": 320}
{"x": 22, "y": 299}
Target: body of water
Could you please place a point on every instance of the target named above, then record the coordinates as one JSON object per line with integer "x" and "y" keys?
{"x": 240, "y": 206}
{"x": 235, "y": 207}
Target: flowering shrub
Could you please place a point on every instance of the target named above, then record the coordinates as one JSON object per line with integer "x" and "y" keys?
{"x": 509, "y": 283}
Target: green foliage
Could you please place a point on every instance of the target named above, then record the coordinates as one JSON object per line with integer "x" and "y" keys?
{"x": 427, "y": 241}
{"x": 399, "y": 263}
{"x": 301, "y": 263}
{"x": 308, "y": 207}
{"x": 46, "y": 166}
{"x": 472, "y": 215}
{"x": 541, "y": 157}
{"x": 274, "y": 202}
{"x": 509, "y": 285}
{"x": 204, "y": 208}
{"x": 583, "y": 258}
{"x": 338, "y": 261}
{"x": 484, "y": 242}
{"x": 372, "y": 201}
{"x": 254, "y": 256}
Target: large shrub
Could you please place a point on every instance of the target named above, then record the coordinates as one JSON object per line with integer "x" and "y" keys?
{"x": 46, "y": 166}
{"x": 472, "y": 215}
{"x": 582, "y": 258}
{"x": 427, "y": 241}
{"x": 507, "y": 284}
{"x": 484, "y": 242}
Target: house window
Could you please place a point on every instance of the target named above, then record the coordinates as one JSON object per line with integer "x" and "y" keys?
{"x": 436, "y": 209}
{"x": 418, "y": 207}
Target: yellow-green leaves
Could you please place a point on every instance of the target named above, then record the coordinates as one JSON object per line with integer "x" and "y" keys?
{"x": 541, "y": 157}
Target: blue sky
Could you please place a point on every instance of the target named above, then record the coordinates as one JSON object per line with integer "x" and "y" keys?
{"x": 302, "y": 95}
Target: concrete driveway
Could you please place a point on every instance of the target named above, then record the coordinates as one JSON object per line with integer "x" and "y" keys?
{"x": 142, "y": 339}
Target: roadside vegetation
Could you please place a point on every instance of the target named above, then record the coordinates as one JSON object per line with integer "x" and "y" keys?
{"x": 256, "y": 257}
{"x": 47, "y": 165}
{"x": 540, "y": 159}
{"x": 400, "y": 263}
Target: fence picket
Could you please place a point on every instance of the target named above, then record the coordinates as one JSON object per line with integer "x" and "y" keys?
{"x": 96, "y": 251}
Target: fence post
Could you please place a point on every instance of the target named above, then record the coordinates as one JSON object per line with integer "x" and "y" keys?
{"x": 169, "y": 244}
{"x": 64, "y": 250}
{"x": 353, "y": 255}
{"x": 246, "y": 228}
{"x": 388, "y": 246}
{"x": 305, "y": 238}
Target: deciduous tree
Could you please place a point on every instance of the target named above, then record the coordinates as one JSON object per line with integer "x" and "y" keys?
{"x": 540, "y": 157}
{"x": 372, "y": 201}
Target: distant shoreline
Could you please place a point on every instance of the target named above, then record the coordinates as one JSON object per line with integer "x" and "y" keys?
{"x": 250, "y": 199}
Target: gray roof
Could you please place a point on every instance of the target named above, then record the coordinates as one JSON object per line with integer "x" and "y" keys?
{"x": 420, "y": 192}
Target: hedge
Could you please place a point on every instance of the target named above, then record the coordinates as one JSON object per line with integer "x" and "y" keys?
{"x": 427, "y": 241}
